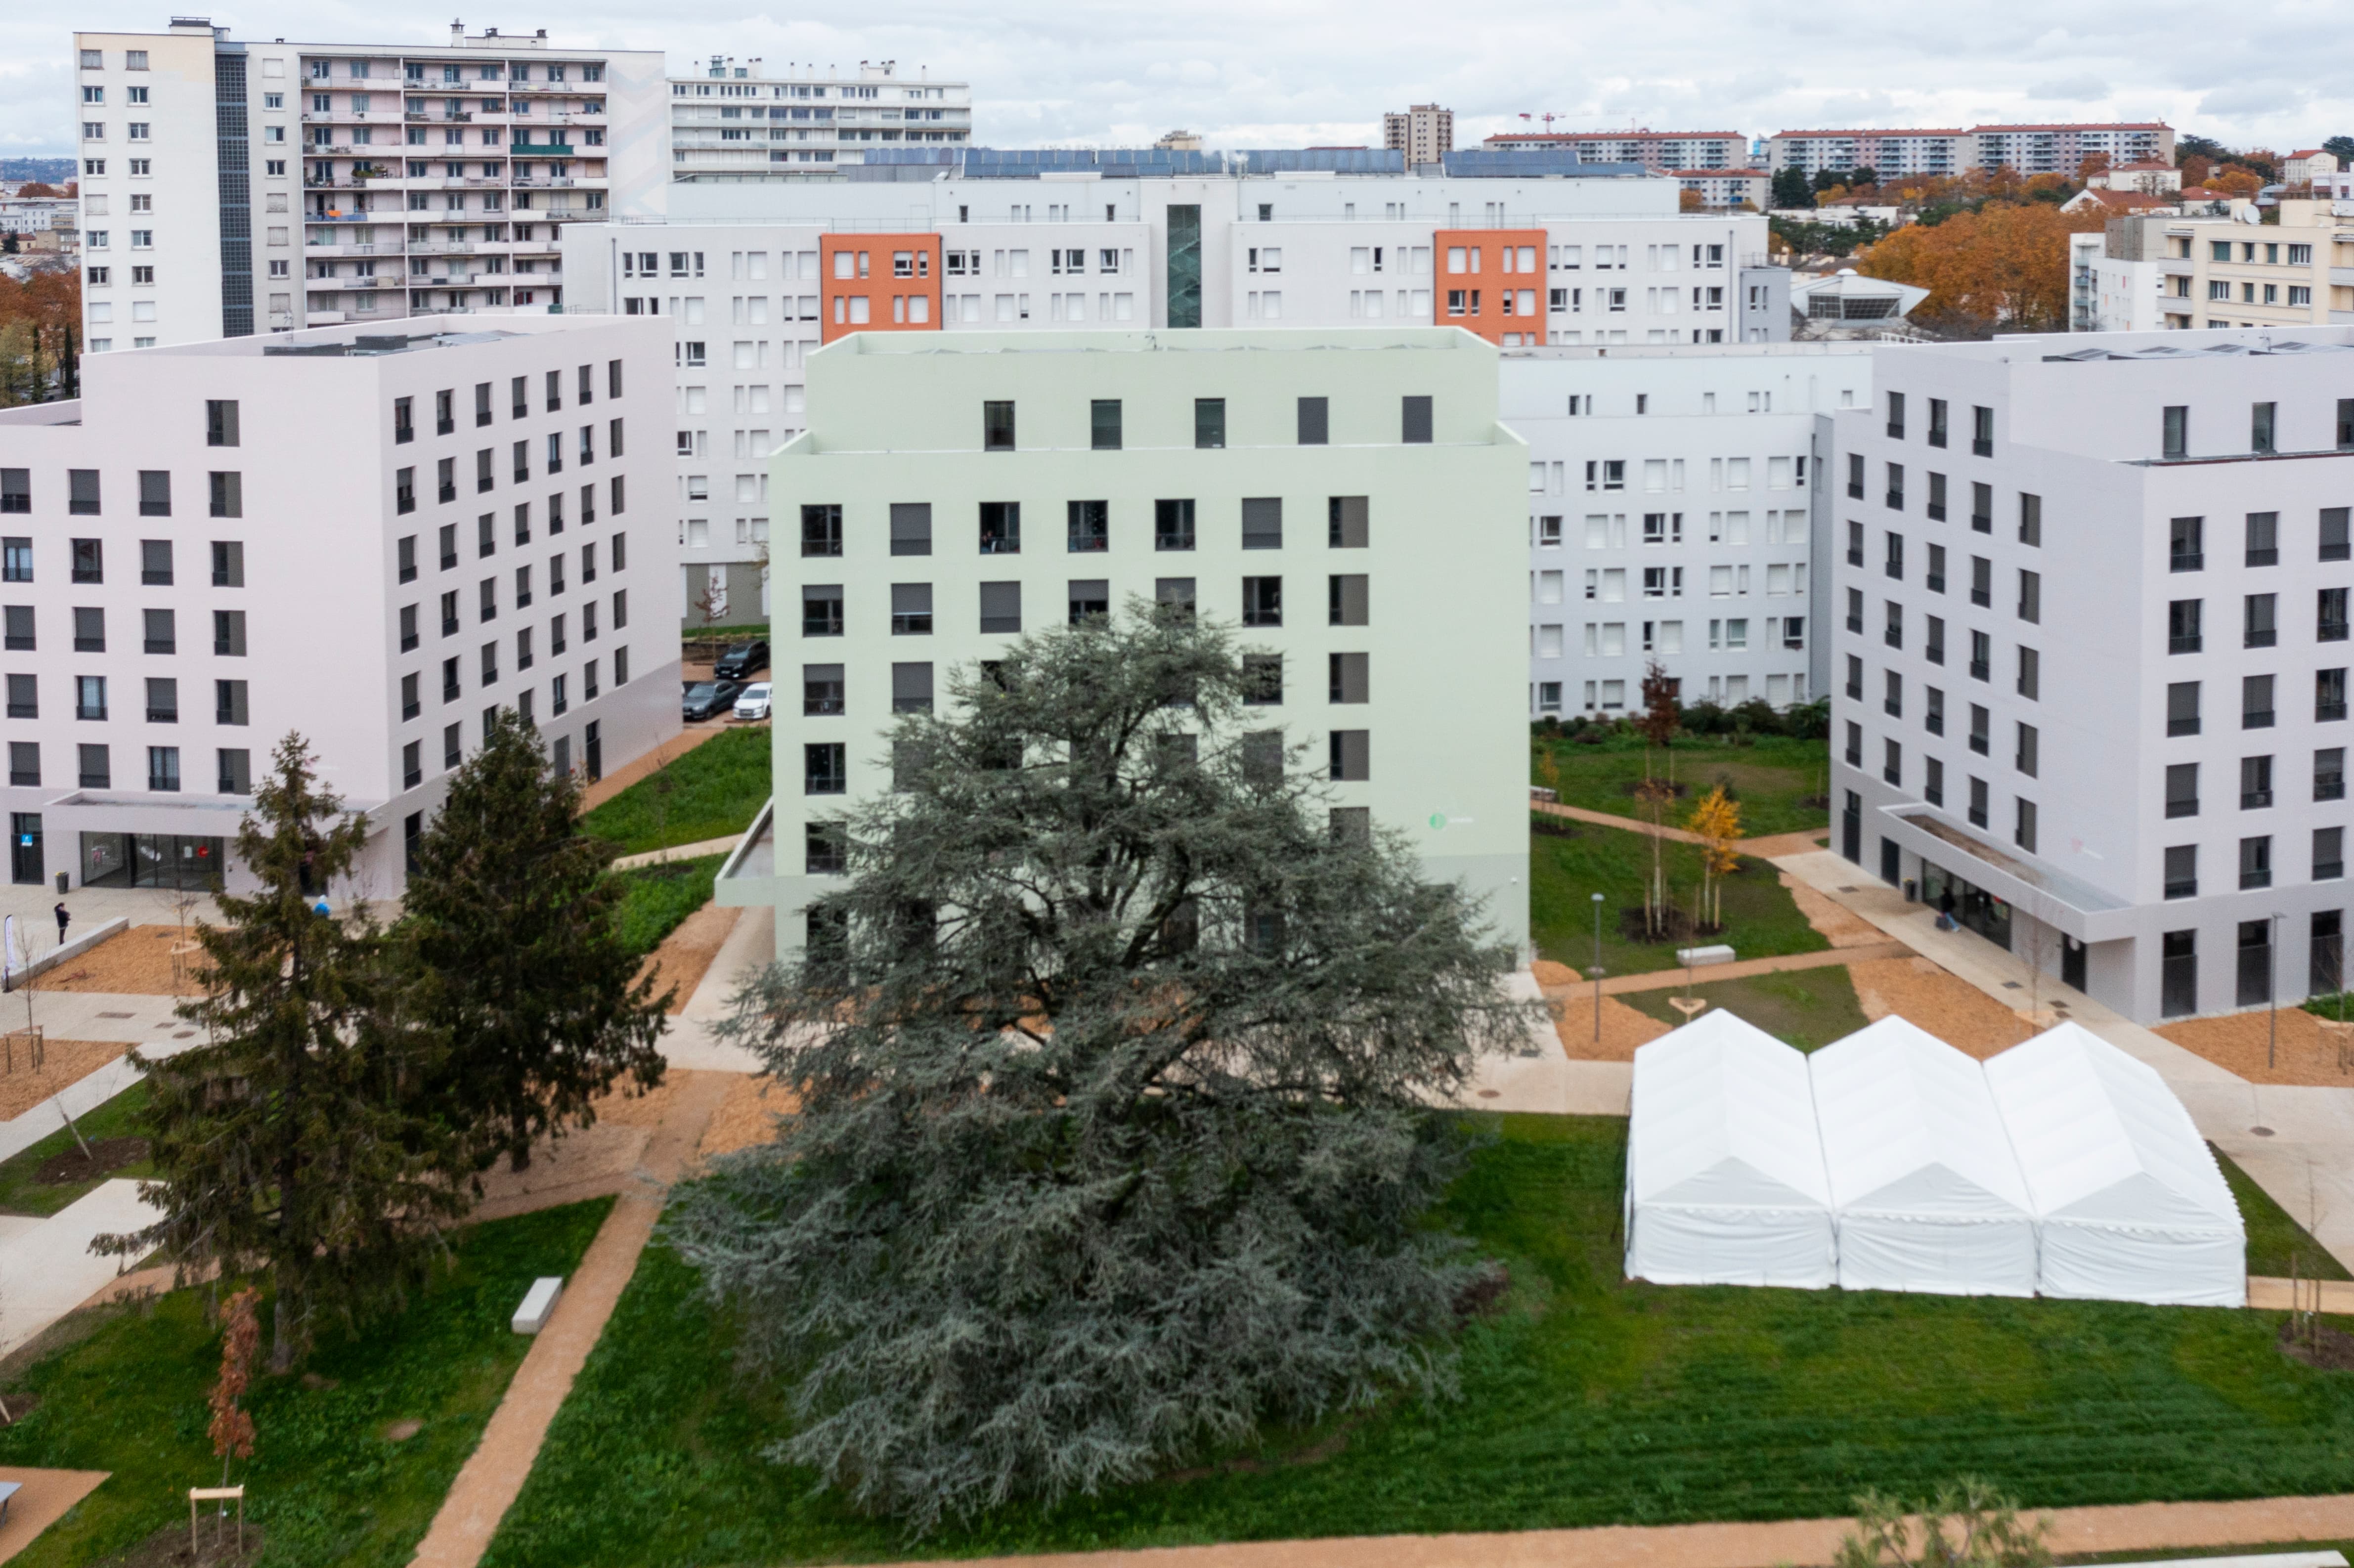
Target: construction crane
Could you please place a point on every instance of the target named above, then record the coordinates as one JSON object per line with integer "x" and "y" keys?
{"x": 1548, "y": 118}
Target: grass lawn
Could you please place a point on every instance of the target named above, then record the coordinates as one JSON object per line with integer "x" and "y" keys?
{"x": 1760, "y": 918}
{"x": 2272, "y": 1236}
{"x": 118, "y": 1117}
{"x": 1587, "y": 1400}
{"x": 708, "y": 793}
{"x": 659, "y": 897}
{"x": 324, "y": 1483}
{"x": 1769, "y": 777}
{"x": 1807, "y": 1007}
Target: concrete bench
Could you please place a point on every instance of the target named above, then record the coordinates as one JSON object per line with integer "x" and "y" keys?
{"x": 1693, "y": 958}
{"x": 539, "y": 1305}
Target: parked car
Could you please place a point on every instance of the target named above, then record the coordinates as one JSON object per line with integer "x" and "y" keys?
{"x": 754, "y": 703}
{"x": 708, "y": 699}
{"x": 741, "y": 661}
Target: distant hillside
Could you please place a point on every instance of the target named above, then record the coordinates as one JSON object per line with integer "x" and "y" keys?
{"x": 55, "y": 171}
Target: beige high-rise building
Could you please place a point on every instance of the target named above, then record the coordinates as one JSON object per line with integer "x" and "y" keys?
{"x": 1422, "y": 132}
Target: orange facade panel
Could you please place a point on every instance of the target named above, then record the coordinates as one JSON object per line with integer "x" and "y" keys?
{"x": 878, "y": 282}
{"x": 1491, "y": 281}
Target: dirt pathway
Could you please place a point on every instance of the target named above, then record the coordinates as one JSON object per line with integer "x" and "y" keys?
{"x": 1558, "y": 982}
{"x": 2135, "y": 1527}
{"x": 494, "y": 1475}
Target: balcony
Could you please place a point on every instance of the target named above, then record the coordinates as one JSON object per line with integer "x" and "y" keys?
{"x": 540, "y": 149}
{"x": 526, "y": 182}
{"x": 388, "y": 281}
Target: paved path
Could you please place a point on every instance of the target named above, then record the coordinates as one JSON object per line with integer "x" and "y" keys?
{"x": 1606, "y": 819}
{"x": 493, "y": 1474}
{"x": 678, "y": 852}
{"x": 48, "y": 1270}
{"x": 2135, "y": 1527}
{"x": 1661, "y": 979}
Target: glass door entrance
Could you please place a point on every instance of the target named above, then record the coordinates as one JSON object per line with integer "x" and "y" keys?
{"x": 1973, "y": 907}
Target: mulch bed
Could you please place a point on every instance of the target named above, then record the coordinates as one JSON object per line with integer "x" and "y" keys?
{"x": 74, "y": 1166}
{"x": 168, "y": 1548}
{"x": 2331, "y": 1350}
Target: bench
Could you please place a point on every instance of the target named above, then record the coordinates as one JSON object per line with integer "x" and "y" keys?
{"x": 1694, "y": 958}
{"x": 539, "y": 1305}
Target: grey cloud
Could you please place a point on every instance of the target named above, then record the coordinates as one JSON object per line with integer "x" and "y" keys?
{"x": 2072, "y": 89}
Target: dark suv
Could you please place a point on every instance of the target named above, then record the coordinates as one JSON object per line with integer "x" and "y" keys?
{"x": 741, "y": 661}
{"x": 706, "y": 699}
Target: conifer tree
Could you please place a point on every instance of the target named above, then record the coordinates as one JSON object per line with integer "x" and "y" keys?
{"x": 296, "y": 1140}
{"x": 1113, "y": 1061}
{"x": 511, "y": 930}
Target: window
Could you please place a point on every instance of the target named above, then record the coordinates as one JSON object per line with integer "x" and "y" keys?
{"x": 1351, "y": 754}
{"x": 2255, "y": 702}
{"x": 2258, "y": 624}
{"x": 1977, "y": 806}
{"x": 2175, "y": 431}
{"x": 89, "y": 561}
{"x": 155, "y": 493}
{"x": 2182, "y": 708}
{"x": 2260, "y": 426}
{"x": 1416, "y": 422}
{"x": 1896, "y": 416}
{"x": 1346, "y": 522}
{"x": 1895, "y": 497}
{"x": 1982, "y": 431}
{"x": 2025, "y": 753}
{"x": 2256, "y": 862}
{"x": 1172, "y": 524}
{"x": 1982, "y": 656}
{"x": 1981, "y": 731}
{"x": 1263, "y": 524}
{"x": 2256, "y": 783}
{"x": 1001, "y": 607}
{"x": 23, "y": 699}
{"x": 1104, "y": 425}
{"x": 90, "y": 698}
{"x": 2328, "y": 694}
{"x": 1892, "y": 565}
{"x": 16, "y": 560}
{"x": 1937, "y": 503}
{"x": 2264, "y": 539}
{"x": 825, "y": 767}
{"x": 2186, "y": 551}
{"x": 1936, "y": 421}
{"x": 2181, "y": 878}
{"x": 1089, "y": 596}
{"x": 90, "y": 629}
{"x": 1855, "y": 475}
{"x": 2182, "y": 789}
{"x": 1315, "y": 422}
{"x": 1209, "y": 422}
{"x": 821, "y": 530}
{"x": 2182, "y": 633}
{"x": 16, "y": 489}
{"x": 1262, "y": 602}
{"x": 161, "y": 631}
{"x": 1001, "y": 527}
{"x": 1892, "y": 700}
{"x": 1981, "y": 508}
{"x": 822, "y": 690}
{"x": 226, "y": 494}
{"x": 1348, "y": 601}
{"x": 2022, "y": 832}
{"x": 2328, "y": 854}
{"x": 911, "y": 609}
{"x": 821, "y": 609}
{"x": 1981, "y": 581}
{"x": 996, "y": 427}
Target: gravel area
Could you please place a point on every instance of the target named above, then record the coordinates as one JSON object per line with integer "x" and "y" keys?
{"x": 686, "y": 954}
{"x": 746, "y": 1115}
{"x": 137, "y": 962}
{"x": 2306, "y": 1053}
{"x": 1953, "y": 1010}
{"x": 64, "y": 1062}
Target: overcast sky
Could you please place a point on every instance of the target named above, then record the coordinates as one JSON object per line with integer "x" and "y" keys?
{"x": 1281, "y": 73}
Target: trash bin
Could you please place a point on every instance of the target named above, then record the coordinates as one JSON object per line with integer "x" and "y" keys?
{"x": 61, "y": 884}
{"x": 1912, "y": 891}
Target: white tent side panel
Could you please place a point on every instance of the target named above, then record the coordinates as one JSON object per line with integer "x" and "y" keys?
{"x": 1925, "y": 1190}
{"x": 2130, "y": 1203}
{"x": 1724, "y": 1174}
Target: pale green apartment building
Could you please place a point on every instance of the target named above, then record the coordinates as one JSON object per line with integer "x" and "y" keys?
{"x": 1326, "y": 493}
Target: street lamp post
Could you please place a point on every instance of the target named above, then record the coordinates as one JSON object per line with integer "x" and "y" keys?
{"x": 2272, "y": 991}
{"x": 1597, "y": 970}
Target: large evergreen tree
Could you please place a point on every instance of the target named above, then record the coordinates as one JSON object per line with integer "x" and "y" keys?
{"x": 295, "y": 1140}
{"x": 511, "y": 927}
{"x": 1113, "y": 1056}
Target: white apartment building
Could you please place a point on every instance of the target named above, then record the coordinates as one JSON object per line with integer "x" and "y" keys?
{"x": 232, "y": 187}
{"x": 2107, "y": 293}
{"x": 754, "y": 279}
{"x": 1946, "y": 150}
{"x": 2091, "y": 649}
{"x": 734, "y": 123}
{"x": 376, "y": 539}
{"x": 1951, "y": 150}
{"x": 1674, "y": 502}
{"x": 1424, "y": 134}
{"x": 1335, "y": 496}
{"x": 1659, "y": 151}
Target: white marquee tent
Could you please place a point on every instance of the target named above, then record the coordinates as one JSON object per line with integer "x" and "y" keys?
{"x": 1724, "y": 1167}
{"x": 1928, "y": 1194}
{"x": 2130, "y": 1203}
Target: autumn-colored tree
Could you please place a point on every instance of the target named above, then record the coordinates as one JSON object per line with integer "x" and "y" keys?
{"x": 2005, "y": 265}
{"x": 1688, "y": 201}
{"x": 2196, "y": 166}
{"x": 232, "y": 1427}
{"x": 37, "y": 188}
{"x": 2235, "y": 181}
{"x": 39, "y": 336}
{"x": 1717, "y": 820}
{"x": 2092, "y": 164}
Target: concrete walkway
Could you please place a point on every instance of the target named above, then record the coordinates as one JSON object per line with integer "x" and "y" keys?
{"x": 48, "y": 1270}
{"x": 1663, "y": 980}
{"x": 2136, "y": 1527}
{"x": 493, "y": 1474}
{"x": 678, "y": 852}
